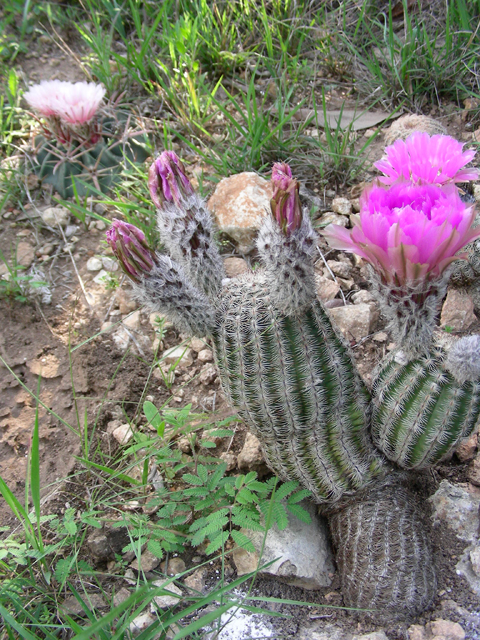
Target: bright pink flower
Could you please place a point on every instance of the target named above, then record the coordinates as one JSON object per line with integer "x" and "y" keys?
{"x": 130, "y": 247}
{"x": 408, "y": 233}
{"x": 167, "y": 180}
{"x": 422, "y": 159}
{"x": 74, "y": 103}
{"x": 285, "y": 203}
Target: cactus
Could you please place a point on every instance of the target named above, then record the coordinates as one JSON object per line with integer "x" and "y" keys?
{"x": 383, "y": 552}
{"x": 290, "y": 374}
{"x": 424, "y": 407}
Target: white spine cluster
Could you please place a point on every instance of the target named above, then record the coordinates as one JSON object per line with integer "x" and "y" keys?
{"x": 463, "y": 359}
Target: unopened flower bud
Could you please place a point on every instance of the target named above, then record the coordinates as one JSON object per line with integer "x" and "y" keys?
{"x": 285, "y": 203}
{"x": 167, "y": 180}
{"x": 130, "y": 247}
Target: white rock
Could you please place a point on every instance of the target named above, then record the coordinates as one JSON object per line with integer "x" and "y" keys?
{"x": 457, "y": 311}
{"x": 303, "y": 552}
{"x": 181, "y": 353}
{"x": 376, "y": 635}
{"x": 109, "y": 264}
{"x": 132, "y": 321}
{"x": 121, "y": 339}
{"x": 71, "y": 230}
{"x": 25, "y": 254}
{"x": 355, "y": 321}
{"x": 99, "y": 278}
{"x": 251, "y": 456}
{"x": 141, "y": 622}
{"x": 239, "y": 205}
{"x": 475, "y": 559}
{"x": 343, "y": 206}
{"x": 326, "y": 632}
{"x": 56, "y": 215}
{"x": 197, "y": 344}
{"x": 340, "y": 269}
{"x": 94, "y": 264}
{"x": 205, "y": 355}
{"x": 334, "y": 218}
{"x": 456, "y": 507}
{"x": 147, "y": 562}
{"x": 123, "y": 434}
{"x": 363, "y": 297}
{"x": 167, "y": 601}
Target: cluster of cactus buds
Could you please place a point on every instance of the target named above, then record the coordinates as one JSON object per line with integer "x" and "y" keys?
{"x": 290, "y": 374}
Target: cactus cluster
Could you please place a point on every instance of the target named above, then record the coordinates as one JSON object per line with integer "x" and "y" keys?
{"x": 290, "y": 373}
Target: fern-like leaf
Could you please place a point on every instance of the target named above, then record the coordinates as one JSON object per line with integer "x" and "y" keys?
{"x": 217, "y": 542}
{"x": 242, "y": 541}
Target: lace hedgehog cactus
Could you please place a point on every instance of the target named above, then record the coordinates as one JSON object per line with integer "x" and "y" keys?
{"x": 290, "y": 375}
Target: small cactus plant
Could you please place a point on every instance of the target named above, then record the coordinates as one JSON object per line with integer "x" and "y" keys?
{"x": 290, "y": 374}
{"x": 82, "y": 145}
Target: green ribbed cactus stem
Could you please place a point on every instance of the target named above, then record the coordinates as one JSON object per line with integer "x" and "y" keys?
{"x": 420, "y": 411}
{"x": 383, "y": 551}
{"x": 293, "y": 381}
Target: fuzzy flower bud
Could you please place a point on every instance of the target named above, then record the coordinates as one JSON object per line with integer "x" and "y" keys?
{"x": 167, "y": 180}
{"x": 421, "y": 159}
{"x": 130, "y": 247}
{"x": 285, "y": 203}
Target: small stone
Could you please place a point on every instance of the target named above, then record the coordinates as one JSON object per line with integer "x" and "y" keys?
{"x": 175, "y": 566}
{"x": 120, "y": 596}
{"x": 363, "y": 297}
{"x": 141, "y": 622}
{"x": 208, "y": 374}
{"x": 376, "y": 635}
{"x": 132, "y": 321}
{"x": 343, "y": 206}
{"x": 72, "y": 606}
{"x": 196, "y": 580}
{"x": 457, "y": 311}
{"x": 333, "y": 218}
{"x": 467, "y": 448}
{"x": 166, "y": 601}
{"x": 205, "y": 355}
{"x": 473, "y": 471}
{"x": 71, "y": 230}
{"x": 184, "y": 445}
{"x": 416, "y": 632}
{"x": 475, "y": 560}
{"x": 456, "y": 507}
{"x": 101, "y": 226}
{"x": 235, "y": 267}
{"x": 181, "y": 355}
{"x": 355, "y": 321}
{"x": 340, "y": 269}
{"x": 126, "y": 303}
{"x": 147, "y": 562}
{"x": 239, "y": 205}
{"x": 476, "y": 192}
{"x": 25, "y": 254}
{"x": 94, "y": 264}
{"x": 56, "y": 215}
{"x": 123, "y": 434}
{"x": 381, "y": 336}
{"x": 109, "y": 264}
{"x": 197, "y": 344}
{"x": 230, "y": 459}
{"x": 449, "y": 630}
{"x": 251, "y": 456}
{"x": 326, "y": 289}
{"x": 100, "y": 277}
{"x": 121, "y": 339}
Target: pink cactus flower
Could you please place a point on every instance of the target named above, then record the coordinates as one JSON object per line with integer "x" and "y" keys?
{"x": 285, "y": 203}
{"x": 74, "y": 103}
{"x": 130, "y": 247}
{"x": 424, "y": 159}
{"x": 167, "y": 180}
{"x": 408, "y": 233}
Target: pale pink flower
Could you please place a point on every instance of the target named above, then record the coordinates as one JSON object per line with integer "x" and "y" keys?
{"x": 285, "y": 203}
{"x": 74, "y": 103}
{"x": 408, "y": 233}
{"x": 424, "y": 159}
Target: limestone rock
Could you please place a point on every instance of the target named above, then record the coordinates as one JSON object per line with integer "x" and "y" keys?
{"x": 467, "y": 448}
{"x": 473, "y": 471}
{"x": 205, "y": 355}
{"x": 334, "y": 218}
{"x": 326, "y": 289}
{"x": 457, "y": 311}
{"x": 239, "y": 205}
{"x": 167, "y": 600}
{"x": 446, "y": 629}
{"x": 123, "y": 433}
{"x": 197, "y": 344}
{"x": 56, "y": 215}
{"x": 355, "y": 321}
{"x": 340, "y": 269}
{"x": 196, "y": 580}
{"x": 175, "y": 566}
{"x": 303, "y": 552}
{"x": 141, "y": 622}
{"x": 376, "y": 635}
{"x": 251, "y": 456}
{"x": 363, "y": 297}
{"x": 94, "y": 264}
{"x": 146, "y": 562}
{"x": 230, "y": 458}
{"x": 235, "y": 267}
{"x": 325, "y": 632}
{"x": 456, "y": 507}
{"x": 343, "y": 206}
{"x": 132, "y": 321}
{"x": 416, "y": 632}
{"x": 181, "y": 354}
{"x": 406, "y": 125}
{"x": 208, "y": 374}
{"x": 126, "y": 303}
{"x": 72, "y": 606}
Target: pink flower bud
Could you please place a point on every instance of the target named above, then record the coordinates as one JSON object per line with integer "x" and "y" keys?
{"x": 285, "y": 203}
{"x": 130, "y": 247}
{"x": 167, "y": 180}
